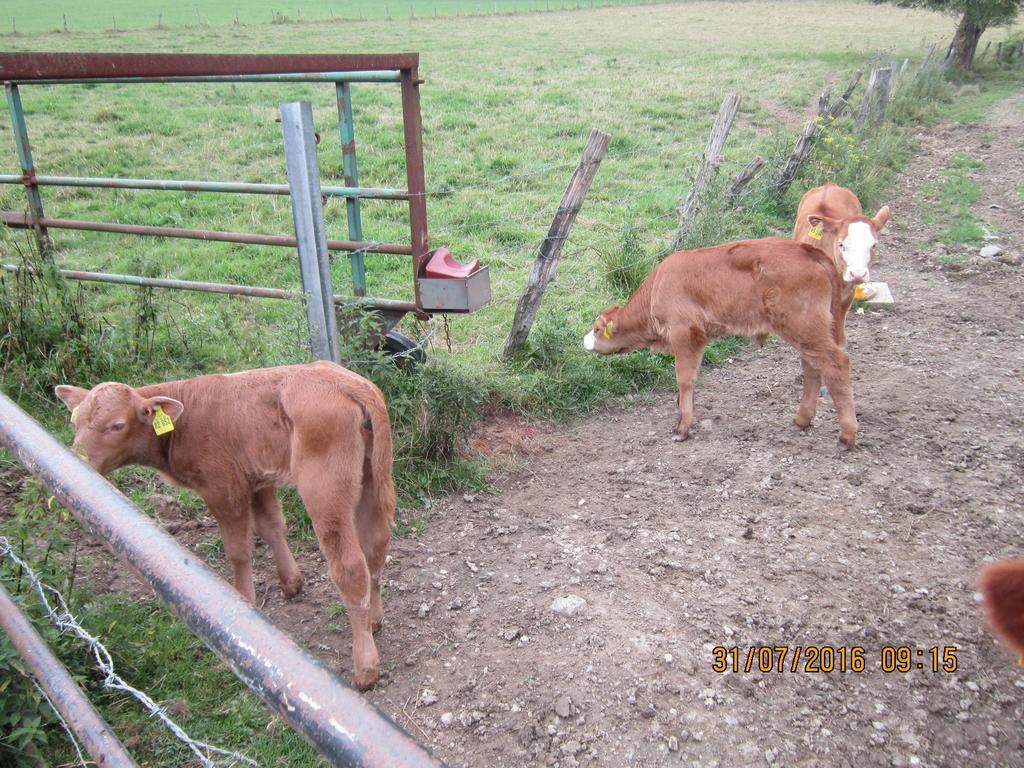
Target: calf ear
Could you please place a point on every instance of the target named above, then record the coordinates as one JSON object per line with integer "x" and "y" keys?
{"x": 147, "y": 408}
{"x": 881, "y": 218}
{"x": 829, "y": 225}
{"x": 72, "y": 396}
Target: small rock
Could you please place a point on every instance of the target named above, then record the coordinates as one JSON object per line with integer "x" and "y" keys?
{"x": 447, "y": 718}
{"x": 673, "y": 744}
{"x": 1010, "y": 259}
{"x": 510, "y": 633}
{"x": 990, "y": 251}
{"x": 572, "y": 747}
{"x": 563, "y": 706}
{"x": 427, "y": 697}
{"x": 567, "y": 606}
{"x": 424, "y": 610}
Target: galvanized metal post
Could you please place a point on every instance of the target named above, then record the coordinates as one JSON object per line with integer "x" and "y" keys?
{"x": 35, "y": 202}
{"x": 311, "y": 239}
{"x": 348, "y": 158}
{"x": 76, "y": 709}
{"x": 416, "y": 184}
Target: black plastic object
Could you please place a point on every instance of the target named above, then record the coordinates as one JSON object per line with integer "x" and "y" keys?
{"x": 403, "y": 350}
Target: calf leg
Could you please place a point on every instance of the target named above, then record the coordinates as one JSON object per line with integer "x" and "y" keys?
{"x": 270, "y": 527}
{"x": 234, "y": 517}
{"x": 331, "y": 490}
{"x": 374, "y": 538}
{"x": 688, "y": 352}
{"x": 834, "y": 365}
{"x": 809, "y": 399}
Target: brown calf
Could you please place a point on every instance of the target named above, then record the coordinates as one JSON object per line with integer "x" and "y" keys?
{"x": 746, "y": 288}
{"x": 234, "y": 438}
{"x": 830, "y": 217}
{"x": 1002, "y": 587}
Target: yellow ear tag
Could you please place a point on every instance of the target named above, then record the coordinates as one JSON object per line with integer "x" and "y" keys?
{"x": 74, "y": 412}
{"x": 816, "y": 231}
{"x": 609, "y": 329}
{"x": 162, "y": 423}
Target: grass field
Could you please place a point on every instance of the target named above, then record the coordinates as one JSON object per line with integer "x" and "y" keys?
{"x": 89, "y": 17}
{"x": 507, "y": 105}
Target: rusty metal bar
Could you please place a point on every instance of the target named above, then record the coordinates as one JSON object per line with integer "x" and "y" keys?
{"x": 184, "y": 185}
{"x": 283, "y": 77}
{"x": 30, "y": 66}
{"x": 390, "y": 305}
{"x": 76, "y": 709}
{"x": 21, "y": 221}
{"x": 344, "y": 727}
{"x": 416, "y": 183}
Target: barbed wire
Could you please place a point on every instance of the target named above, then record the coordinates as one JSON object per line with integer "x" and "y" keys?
{"x": 63, "y": 619}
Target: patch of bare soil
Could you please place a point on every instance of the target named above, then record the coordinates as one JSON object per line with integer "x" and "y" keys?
{"x": 571, "y": 619}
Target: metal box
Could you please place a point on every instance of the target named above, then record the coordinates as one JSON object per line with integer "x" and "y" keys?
{"x": 456, "y": 294}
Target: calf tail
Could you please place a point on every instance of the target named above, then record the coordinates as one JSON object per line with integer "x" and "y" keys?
{"x": 382, "y": 456}
{"x": 838, "y": 316}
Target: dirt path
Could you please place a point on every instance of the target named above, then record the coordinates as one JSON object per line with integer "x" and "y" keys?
{"x": 750, "y": 534}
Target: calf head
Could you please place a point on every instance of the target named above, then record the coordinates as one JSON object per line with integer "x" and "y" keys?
{"x": 607, "y": 337}
{"x": 854, "y": 241}
{"x": 114, "y": 423}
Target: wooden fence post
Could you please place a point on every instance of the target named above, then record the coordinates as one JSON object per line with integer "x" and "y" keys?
{"x": 884, "y": 92}
{"x": 744, "y": 177}
{"x": 546, "y": 263}
{"x": 927, "y": 58}
{"x": 865, "y": 104}
{"x": 708, "y": 166}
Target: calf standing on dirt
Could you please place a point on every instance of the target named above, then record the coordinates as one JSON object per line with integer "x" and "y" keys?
{"x": 830, "y": 217}
{"x": 745, "y": 288}
{"x": 234, "y": 438}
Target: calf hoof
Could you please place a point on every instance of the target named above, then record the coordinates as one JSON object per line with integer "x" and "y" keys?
{"x": 848, "y": 441}
{"x": 364, "y": 679}
{"x": 678, "y": 436}
{"x": 292, "y": 588}
{"x": 803, "y": 422}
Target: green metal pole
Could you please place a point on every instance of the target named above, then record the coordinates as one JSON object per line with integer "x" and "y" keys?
{"x": 35, "y": 202}
{"x": 348, "y": 157}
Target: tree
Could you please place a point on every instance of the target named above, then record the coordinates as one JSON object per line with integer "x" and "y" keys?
{"x": 975, "y": 17}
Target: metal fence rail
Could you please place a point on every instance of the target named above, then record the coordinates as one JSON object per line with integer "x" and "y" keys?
{"x": 334, "y": 718}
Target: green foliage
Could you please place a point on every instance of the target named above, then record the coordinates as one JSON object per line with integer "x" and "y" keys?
{"x": 919, "y": 99}
{"x": 983, "y": 13}
{"x": 45, "y": 334}
{"x": 28, "y": 726}
{"x": 626, "y": 265}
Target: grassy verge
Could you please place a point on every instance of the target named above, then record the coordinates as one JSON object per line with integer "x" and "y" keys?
{"x": 950, "y": 201}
